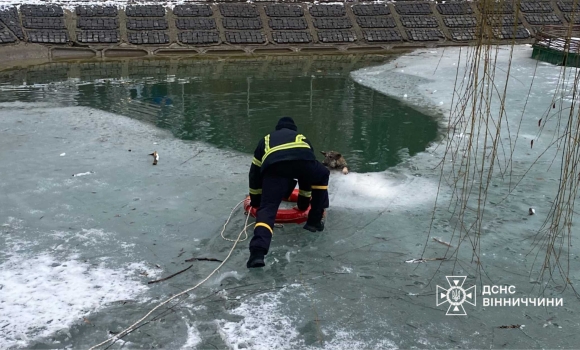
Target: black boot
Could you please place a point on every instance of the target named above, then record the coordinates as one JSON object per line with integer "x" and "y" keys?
{"x": 314, "y": 227}
{"x": 256, "y": 259}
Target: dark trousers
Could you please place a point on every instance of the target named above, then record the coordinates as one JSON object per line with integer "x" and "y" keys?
{"x": 276, "y": 184}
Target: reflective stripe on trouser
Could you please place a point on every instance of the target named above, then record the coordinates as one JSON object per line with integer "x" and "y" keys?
{"x": 275, "y": 185}
{"x": 274, "y": 188}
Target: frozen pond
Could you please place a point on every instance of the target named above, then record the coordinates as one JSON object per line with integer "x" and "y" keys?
{"x": 231, "y": 104}
{"x": 77, "y": 251}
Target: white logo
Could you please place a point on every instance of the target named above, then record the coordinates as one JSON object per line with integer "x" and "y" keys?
{"x": 456, "y": 295}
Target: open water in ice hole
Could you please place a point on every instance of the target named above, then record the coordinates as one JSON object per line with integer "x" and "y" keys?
{"x": 232, "y": 104}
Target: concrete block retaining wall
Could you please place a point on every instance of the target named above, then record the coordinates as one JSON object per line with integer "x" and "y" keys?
{"x": 242, "y": 28}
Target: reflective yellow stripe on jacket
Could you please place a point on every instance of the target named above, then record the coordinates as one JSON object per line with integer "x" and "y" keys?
{"x": 256, "y": 162}
{"x": 298, "y": 143}
{"x": 267, "y": 142}
{"x": 255, "y": 191}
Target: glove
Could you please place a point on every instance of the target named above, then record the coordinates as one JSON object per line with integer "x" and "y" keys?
{"x": 255, "y": 200}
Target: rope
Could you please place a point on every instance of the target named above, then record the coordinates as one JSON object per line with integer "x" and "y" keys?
{"x": 228, "y": 220}
{"x": 134, "y": 325}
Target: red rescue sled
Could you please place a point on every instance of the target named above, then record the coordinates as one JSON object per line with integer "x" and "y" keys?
{"x": 284, "y": 215}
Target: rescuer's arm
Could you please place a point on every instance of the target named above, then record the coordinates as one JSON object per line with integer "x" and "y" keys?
{"x": 255, "y": 176}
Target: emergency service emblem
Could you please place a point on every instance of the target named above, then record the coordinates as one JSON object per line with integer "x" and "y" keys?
{"x": 456, "y": 295}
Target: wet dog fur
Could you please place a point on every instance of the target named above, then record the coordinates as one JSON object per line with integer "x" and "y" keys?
{"x": 335, "y": 161}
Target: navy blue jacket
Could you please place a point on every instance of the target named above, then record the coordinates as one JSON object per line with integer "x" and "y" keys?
{"x": 281, "y": 145}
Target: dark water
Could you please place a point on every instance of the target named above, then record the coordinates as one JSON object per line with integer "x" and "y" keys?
{"x": 234, "y": 103}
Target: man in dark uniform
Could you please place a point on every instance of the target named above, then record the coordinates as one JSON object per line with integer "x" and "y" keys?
{"x": 281, "y": 157}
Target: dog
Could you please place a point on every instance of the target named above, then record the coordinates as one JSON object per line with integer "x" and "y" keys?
{"x": 335, "y": 160}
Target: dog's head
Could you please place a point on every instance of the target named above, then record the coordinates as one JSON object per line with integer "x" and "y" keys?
{"x": 333, "y": 160}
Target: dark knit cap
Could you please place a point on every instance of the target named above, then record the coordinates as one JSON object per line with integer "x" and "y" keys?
{"x": 287, "y": 123}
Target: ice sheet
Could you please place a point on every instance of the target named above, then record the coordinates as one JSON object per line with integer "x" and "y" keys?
{"x": 45, "y": 292}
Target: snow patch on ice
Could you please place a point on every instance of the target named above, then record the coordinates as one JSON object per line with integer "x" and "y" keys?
{"x": 92, "y": 236}
{"x": 264, "y": 326}
{"x": 193, "y": 337}
{"x": 269, "y": 323}
{"x": 46, "y": 284}
{"x": 380, "y": 190}
{"x": 345, "y": 269}
{"x": 348, "y": 340}
{"x": 12, "y": 223}
{"x": 42, "y": 293}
